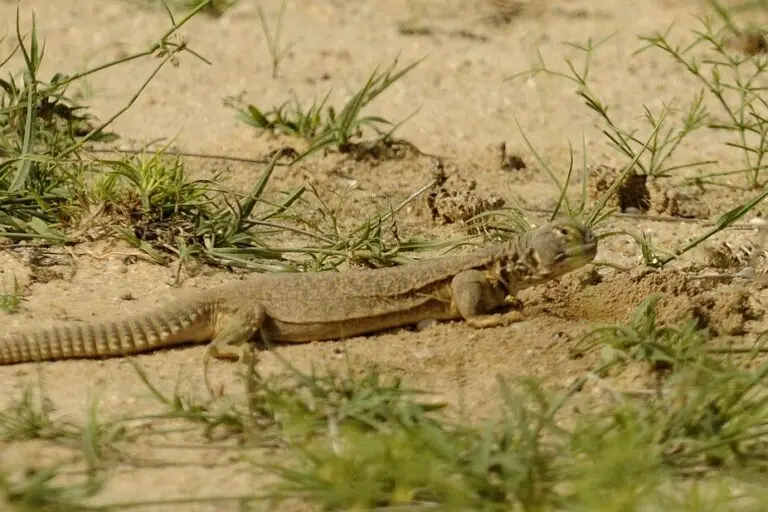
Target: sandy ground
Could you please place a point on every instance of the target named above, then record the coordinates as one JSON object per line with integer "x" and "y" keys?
{"x": 465, "y": 110}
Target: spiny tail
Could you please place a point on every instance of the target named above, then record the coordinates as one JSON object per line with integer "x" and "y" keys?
{"x": 132, "y": 335}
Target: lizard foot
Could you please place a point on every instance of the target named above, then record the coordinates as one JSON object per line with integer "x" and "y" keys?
{"x": 237, "y": 353}
{"x": 426, "y": 324}
{"x": 498, "y": 320}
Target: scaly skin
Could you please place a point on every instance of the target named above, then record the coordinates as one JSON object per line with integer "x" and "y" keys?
{"x": 325, "y": 305}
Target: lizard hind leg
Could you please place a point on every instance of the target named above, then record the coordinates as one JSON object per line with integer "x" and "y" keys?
{"x": 234, "y": 328}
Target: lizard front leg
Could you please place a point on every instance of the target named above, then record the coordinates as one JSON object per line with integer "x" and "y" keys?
{"x": 476, "y": 299}
{"x": 234, "y": 328}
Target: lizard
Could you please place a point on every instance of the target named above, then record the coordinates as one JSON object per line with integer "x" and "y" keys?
{"x": 316, "y": 306}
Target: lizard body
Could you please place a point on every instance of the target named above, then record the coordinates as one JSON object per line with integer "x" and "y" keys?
{"x": 324, "y": 305}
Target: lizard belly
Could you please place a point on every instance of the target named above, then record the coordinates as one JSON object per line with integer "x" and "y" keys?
{"x": 281, "y": 331}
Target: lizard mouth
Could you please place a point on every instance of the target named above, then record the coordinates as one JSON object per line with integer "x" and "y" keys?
{"x": 586, "y": 250}
{"x": 580, "y": 254}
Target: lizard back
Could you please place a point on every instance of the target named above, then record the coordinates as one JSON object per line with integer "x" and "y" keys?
{"x": 357, "y": 294}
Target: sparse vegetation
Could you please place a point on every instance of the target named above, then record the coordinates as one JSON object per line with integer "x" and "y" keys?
{"x": 276, "y": 51}
{"x": 54, "y": 189}
{"x": 706, "y": 418}
{"x": 321, "y": 126}
{"x": 692, "y": 436}
{"x": 10, "y": 301}
{"x": 709, "y": 56}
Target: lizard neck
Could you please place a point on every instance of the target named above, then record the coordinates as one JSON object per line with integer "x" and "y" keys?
{"x": 519, "y": 266}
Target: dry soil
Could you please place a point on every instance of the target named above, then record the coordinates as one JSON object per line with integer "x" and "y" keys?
{"x": 464, "y": 110}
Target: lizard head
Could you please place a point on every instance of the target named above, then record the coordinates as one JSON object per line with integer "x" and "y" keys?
{"x": 550, "y": 251}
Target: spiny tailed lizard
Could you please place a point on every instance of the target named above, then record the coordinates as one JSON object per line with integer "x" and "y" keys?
{"x": 325, "y": 305}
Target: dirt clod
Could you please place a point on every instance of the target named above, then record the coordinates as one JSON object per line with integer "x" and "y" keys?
{"x": 633, "y": 194}
{"x": 459, "y": 202}
{"x": 675, "y": 201}
{"x": 726, "y": 311}
{"x": 749, "y": 42}
{"x": 510, "y": 162}
{"x": 640, "y": 193}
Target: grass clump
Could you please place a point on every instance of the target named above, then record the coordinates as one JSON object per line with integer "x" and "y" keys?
{"x": 708, "y": 411}
{"x": 333, "y": 429}
{"x": 29, "y": 417}
{"x": 732, "y": 78}
{"x": 43, "y": 134}
{"x": 321, "y": 126}
{"x": 663, "y": 348}
{"x": 10, "y": 301}
{"x": 650, "y": 158}
{"x": 426, "y": 462}
{"x": 40, "y": 492}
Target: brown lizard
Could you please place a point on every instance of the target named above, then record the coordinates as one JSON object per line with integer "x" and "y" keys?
{"x": 325, "y": 305}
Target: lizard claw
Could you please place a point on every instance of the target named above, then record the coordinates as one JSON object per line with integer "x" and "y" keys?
{"x": 498, "y": 320}
{"x": 227, "y": 353}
